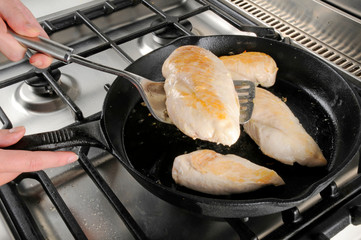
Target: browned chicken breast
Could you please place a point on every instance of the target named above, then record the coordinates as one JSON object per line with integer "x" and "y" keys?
{"x": 279, "y": 134}
{"x": 201, "y": 99}
{"x": 210, "y": 172}
{"x": 254, "y": 66}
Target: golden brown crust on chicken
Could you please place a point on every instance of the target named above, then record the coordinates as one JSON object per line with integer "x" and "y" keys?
{"x": 201, "y": 99}
{"x": 254, "y": 66}
{"x": 210, "y": 172}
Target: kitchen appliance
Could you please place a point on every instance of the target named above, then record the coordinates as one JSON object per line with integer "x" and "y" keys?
{"x": 96, "y": 198}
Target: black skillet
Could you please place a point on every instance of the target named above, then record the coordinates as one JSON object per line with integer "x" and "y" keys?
{"x": 321, "y": 99}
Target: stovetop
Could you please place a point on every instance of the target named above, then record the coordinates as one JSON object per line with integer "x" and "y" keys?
{"x": 77, "y": 190}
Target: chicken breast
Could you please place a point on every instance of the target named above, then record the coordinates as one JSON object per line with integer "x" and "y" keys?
{"x": 279, "y": 133}
{"x": 254, "y": 66}
{"x": 210, "y": 172}
{"x": 201, "y": 99}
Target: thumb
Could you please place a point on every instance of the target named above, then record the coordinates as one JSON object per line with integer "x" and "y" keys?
{"x": 11, "y": 136}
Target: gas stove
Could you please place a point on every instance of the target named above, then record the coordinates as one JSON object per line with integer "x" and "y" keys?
{"x": 96, "y": 198}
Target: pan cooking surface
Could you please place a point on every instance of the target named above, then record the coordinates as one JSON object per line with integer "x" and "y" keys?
{"x": 152, "y": 146}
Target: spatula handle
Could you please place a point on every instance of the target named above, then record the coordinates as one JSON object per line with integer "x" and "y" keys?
{"x": 45, "y": 45}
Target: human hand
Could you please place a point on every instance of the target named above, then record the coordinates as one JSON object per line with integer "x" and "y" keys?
{"x": 14, "y": 162}
{"x": 15, "y": 15}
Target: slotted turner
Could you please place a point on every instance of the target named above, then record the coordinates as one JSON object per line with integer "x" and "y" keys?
{"x": 152, "y": 92}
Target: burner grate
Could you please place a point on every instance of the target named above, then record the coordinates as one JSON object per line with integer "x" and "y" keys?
{"x": 19, "y": 216}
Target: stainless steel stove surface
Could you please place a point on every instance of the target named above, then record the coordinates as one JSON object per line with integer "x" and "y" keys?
{"x": 102, "y": 200}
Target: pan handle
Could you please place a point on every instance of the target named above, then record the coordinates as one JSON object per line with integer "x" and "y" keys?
{"x": 84, "y": 134}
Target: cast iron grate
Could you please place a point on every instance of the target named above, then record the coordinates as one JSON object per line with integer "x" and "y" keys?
{"x": 12, "y": 205}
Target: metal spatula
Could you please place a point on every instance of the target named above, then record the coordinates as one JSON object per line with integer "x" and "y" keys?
{"x": 152, "y": 92}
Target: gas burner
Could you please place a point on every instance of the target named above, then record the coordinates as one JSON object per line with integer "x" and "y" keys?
{"x": 170, "y": 32}
{"x": 159, "y": 38}
{"x": 36, "y": 94}
{"x": 40, "y": 86}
